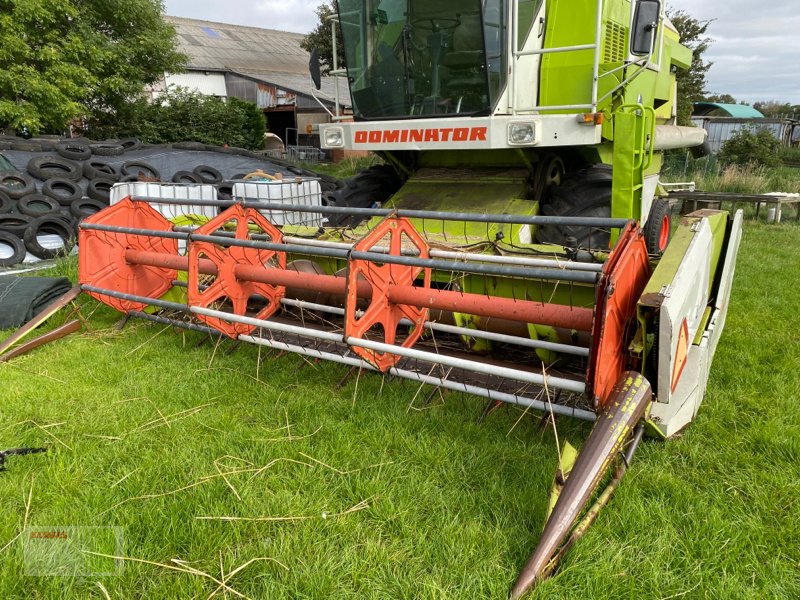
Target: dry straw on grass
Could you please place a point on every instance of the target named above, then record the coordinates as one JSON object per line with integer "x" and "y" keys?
{"x": 182, "y": 567}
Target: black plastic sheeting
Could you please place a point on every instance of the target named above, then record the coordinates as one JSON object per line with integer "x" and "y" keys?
{"x": 170, "y": 160}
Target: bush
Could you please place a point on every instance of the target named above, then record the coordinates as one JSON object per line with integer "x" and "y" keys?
{"x": 179, "y": 116}
{"x": 789, "y": 155}
{"x": 748, "y": 147}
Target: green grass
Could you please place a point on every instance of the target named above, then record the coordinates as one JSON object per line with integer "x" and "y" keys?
{"x": 454, "y": 508}
{"x": 346, "y": 167}
{"x": 710, "y": 175}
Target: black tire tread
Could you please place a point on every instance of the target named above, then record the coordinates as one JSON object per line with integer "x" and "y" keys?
{"x": 48, "y": 167}
{"x": 14, "y": 224}
{"x": 107, "y": 149}
{"x": 652, "y": 228}
{"x": 73, "y": 150}
{"x": 17, "y": 246}
{"x": 28, "y": 186}
{"x": 93, "y": 169}
{"x": 6, "y": 203}
{"x": 51, "y": 187}
{"x": 49, "y": 224}
{"x": 371, "y": 186}
{"x": 185, "y": 177}
{"x": 208, "y": 174}
{"x": 100, "y": 189}
{"x": 81, "y": 207}
{"x": 135, "y": 167}
{"x": 26, "y": 205}
{"x": 584, "y": 193}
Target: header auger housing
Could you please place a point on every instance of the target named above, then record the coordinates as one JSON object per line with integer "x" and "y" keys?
{"x": 512, "y": 246}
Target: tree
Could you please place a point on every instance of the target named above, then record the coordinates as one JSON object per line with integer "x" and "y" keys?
{"x": 62, "y": 59}
{"x": 692, "y": 82}
{"x": 320, "y": 38}
{"x": 721, "y": 99}
{"x": 774, "y": 109}
{"x": 746, "y": 146}
{"x": 180, "y": 115}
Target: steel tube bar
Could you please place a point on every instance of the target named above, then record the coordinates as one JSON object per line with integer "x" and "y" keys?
{"x": 259, "y": 245}
{"x": 503, "y": 338}
{"x": 174, "y": 235}
{"x": 555, "y": 50}
{"x": 341, "y": 250}
{"x": 466, "y": 331}
{"x": 552, "y": 263}
{"x": 183, "y": 233}
{"x": 599, "y": 222}
{"x": 460, "y": 363}
{"x": 403, "y": 373}
{"x": 430, "y": 357}
{"x": 184, "y": 324}
{"x": 458, "y": 267}
{"x": 134, "y": 298}
{"x": 525, "y": 311}
{"x": 184, "y": 201}
{"x": 479, "y": 269}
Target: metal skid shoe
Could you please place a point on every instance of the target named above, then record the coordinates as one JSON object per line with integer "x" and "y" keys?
{"x": 387, "y": 294}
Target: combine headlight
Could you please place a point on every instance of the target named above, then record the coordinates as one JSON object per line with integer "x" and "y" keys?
{"x": 334, "y": 137}
{"x": 520, "y": 134}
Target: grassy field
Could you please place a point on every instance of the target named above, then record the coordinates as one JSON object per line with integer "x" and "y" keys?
{"x": 711, "y": 176}
{"x": 359, "y": 492}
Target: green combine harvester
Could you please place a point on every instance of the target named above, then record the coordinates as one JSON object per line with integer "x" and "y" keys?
{"x": 515, "y": 245}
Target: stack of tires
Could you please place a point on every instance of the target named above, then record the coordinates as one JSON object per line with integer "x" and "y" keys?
{"x": 60, "y": 181}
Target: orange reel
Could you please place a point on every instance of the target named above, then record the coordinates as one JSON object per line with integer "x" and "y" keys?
{"x": 103, "y": 263}
{"x": 382, "y": 318}
{"x": 225, "y": 284}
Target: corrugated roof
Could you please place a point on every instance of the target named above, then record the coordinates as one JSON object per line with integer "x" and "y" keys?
{"x": 223, "y": 47}
{"x": 274, "y": 57}
{"x": 740, "y": 111}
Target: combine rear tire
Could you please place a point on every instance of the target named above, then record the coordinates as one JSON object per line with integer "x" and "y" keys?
{"x": 658, "y": 227}
{"x": 584, "y": 193}
{"x": 370, "y": 187}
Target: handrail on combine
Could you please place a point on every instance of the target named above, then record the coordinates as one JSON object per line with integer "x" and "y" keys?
{"x": 515, "y": 51}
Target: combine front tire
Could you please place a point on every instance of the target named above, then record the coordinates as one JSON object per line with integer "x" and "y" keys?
{"x": 584, "y": 193}
{"x": 368, "y": 188}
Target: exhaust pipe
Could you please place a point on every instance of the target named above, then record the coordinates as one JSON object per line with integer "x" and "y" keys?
{"x": 627, "y": 406}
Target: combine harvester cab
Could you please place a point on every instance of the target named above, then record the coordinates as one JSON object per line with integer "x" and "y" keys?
{"x": 512, "y": 246}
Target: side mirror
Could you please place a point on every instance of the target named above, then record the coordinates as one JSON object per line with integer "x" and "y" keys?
{"x": 645, "y": 25}
{"x": 314, "y": 69}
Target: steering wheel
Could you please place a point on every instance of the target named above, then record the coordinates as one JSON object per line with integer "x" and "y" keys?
{"x": 436, "y": 24}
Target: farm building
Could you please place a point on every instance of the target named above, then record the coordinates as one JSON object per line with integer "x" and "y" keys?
{"x": 722, "y": 121}
{"x": 263, "y": 66}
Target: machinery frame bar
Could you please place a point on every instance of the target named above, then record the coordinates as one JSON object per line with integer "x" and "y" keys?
{"x": 576, "y": 276}
{"x": 430, "y": 357}
{"x": 465, "y": 331}
{"x": 525, "y": 311}
{"x": 599, "y": 222}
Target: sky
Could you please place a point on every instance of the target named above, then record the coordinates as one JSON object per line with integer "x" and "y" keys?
{"x": 756, "y": 47}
